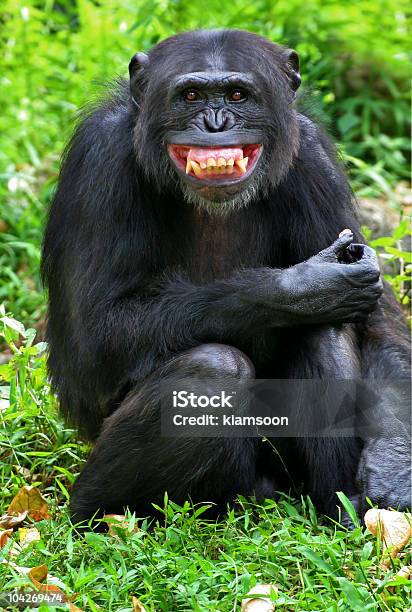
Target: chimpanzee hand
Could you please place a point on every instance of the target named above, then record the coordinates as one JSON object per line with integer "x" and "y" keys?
{"x": 340, "y": 284}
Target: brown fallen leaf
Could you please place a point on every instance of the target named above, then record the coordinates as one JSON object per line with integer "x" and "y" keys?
{"x": 394, "y": 529}
{"x": 116, "y": 522}
{"x": 260, "y": 604}
{"x": 404, "y": 572}
{"x": 26, "y": 537}
{"x": 31, "y": 500}
{"x": 23, "y": 471}
{"x": 5, "y": 536}
{"x": 137, "y": 605}
{"x": 38, "y": 575}
{"x": 8, "y": 521}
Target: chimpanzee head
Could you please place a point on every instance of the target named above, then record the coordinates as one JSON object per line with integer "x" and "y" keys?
{"x": 214, "y": 113}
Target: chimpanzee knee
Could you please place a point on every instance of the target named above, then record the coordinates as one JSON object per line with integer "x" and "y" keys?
{"x": 212, "y": 360}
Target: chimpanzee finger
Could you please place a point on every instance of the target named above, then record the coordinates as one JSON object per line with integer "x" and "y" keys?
{"x": 366, "y": 300}
{"x": 335, "y": 250}
{"x": 369, "y": 256}
{"x": 353, "y": 253}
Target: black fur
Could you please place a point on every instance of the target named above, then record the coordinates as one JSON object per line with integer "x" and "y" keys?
{"x": 143, "y": 286}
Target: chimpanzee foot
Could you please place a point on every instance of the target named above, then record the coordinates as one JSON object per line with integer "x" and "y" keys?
{"x": 384, "y": 473}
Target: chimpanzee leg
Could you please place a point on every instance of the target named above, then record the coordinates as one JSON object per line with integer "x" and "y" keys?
{"x": 328, "y": 464}
{"x": 384, "y": 472}
{"x": 132, "y": 465}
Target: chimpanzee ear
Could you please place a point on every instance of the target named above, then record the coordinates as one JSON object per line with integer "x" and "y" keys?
{"x": 138, "y": 61}
{"x": 292, "y": 69}
{"x": 136, "y": 65}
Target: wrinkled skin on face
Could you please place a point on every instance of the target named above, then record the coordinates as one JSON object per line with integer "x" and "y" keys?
{"x": 221, "y": 132}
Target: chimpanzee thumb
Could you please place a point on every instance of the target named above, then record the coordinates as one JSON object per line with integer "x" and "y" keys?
{"x": 336, "y": 250}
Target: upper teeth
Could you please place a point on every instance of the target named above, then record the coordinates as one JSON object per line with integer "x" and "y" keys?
{"x": 213, "y": 165}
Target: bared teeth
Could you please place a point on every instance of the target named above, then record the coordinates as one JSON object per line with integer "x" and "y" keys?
{"x": 192, "y": 165}
{"x": 216, "y": 166}
{"x": 242, "y": 164}
{"x": 196, "y": 168}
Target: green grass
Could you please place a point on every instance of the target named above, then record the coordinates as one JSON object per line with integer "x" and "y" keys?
{"x": 184, "y": 563}
{"x": 181, "y": 562}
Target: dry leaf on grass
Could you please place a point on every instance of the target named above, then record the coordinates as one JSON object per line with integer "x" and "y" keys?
{"x": 116, "y": 522}
{"x": 137, "y": 606}
{"x": 259, "y": 604}
{"x": 5, "y": 536}
{"x": 405, "y": 572}
{"x": 27, "y": 535}
{"x": 38, "y": 575}
{"x": 394, "y": 529}
{"x": 30, "y": 500}
{"x": 23, "y": 471}
{"x": 8, "y": 521}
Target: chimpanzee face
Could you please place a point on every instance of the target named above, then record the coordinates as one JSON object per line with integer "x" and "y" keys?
{"x": 218, "y": 152}
{"x": 217, "y": 107}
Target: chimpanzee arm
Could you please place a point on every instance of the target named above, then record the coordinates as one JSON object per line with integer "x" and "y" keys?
{"x": 177, "y": 311}
{"x": 176, "y": 314}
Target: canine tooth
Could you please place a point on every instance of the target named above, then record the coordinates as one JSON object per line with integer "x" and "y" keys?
{"x": 203, "y": 165}
{"x": 230, "y": 162}
{"x": 221, "y": 161}
{"x": 188, "y": 165}
{"x": 242, "y": 163}
{"x": 196, "y": 168}
{"x": 211, "y": 162}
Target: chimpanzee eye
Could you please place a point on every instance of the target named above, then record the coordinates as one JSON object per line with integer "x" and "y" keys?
{"x": 191, "y": 95}
{"x": 237, "y": 95}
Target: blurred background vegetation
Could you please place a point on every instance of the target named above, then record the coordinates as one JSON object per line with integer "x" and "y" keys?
{"x": 56, "y": 55}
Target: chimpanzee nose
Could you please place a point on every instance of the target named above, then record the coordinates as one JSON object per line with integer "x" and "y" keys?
{"x": 218, "y": 120}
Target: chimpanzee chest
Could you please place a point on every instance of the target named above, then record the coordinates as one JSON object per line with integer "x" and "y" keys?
{"x": 222, "y": 245}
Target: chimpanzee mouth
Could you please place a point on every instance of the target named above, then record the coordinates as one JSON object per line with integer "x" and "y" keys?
{"x": 215, "y": 165}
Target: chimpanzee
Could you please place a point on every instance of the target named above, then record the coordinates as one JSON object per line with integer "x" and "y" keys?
{"x": 197, "y": 232}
